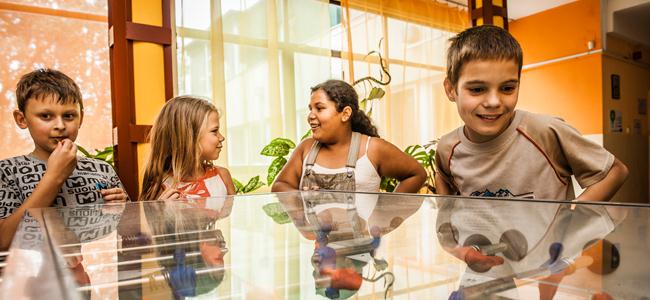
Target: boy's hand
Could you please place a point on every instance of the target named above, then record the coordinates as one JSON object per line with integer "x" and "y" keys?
{"x": 475, "y": 259}
{"x": 63, "y": 160}
{"x": 114, "y": 195}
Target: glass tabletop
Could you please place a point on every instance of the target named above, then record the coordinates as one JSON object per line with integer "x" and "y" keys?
{"x": 331, "y": 245}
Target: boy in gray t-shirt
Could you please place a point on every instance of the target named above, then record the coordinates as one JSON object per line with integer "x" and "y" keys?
{"x": 51, "y": 108}
{"x": 503, "y": 152}
{"x": 508, "y": 153}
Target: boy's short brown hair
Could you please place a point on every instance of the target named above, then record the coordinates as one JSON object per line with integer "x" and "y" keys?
{"x": 482, "y": 42}
{"x": 41, "y": 83}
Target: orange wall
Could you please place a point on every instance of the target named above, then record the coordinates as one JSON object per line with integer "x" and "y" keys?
{"x": 571, "y": 89}
{"x": 561, "y": 31}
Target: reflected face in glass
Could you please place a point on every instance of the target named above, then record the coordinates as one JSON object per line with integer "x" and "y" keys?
{"x": 49, "y": 122}
{"x": 210, "y": 138}
{"x": 486, "y": 96}
{"x": 213, "y": 253}
{"x": 323, "y": 117}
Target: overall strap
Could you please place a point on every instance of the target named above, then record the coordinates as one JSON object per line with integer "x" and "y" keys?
{"x": 311, "y": 156}
{"x": 354, "y": 150}
{"x": 353, "y": 153}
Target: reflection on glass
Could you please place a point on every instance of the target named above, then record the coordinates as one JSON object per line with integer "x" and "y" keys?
{"x": 315, "y": 245}
{"x": 189, "y": 245}
{"x": 347, "y": 229}
{"x": 509, "y": 244}
{"x": 179, "y": 251}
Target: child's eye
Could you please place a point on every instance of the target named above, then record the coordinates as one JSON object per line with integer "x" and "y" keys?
{"x": 45, "y": 116}
{"x": 68, "y": 116}
{"x": 508, "y": 89}
{"x": 476, "y": 90}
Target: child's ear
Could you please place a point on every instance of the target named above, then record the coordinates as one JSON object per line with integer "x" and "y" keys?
{"x": 19, "y": 117}
{"x": 347, "y": 112}
{"x": 450, "y": 90}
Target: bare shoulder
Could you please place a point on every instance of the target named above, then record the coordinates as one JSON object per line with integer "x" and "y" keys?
{"x": 304, "y": 146}
{"x": 379, "y": 149}
{"x": 378, "y": 145}
{"x": 223, "y": 171}
{"x": 227, "y": 179}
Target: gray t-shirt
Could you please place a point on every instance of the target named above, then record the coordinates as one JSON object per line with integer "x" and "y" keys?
{"x": 533, "y": 158}
{"x": 19, "y": 176}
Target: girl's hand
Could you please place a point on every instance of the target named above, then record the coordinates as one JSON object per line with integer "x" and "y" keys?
{"x": 311, "y": 188}
{"x": 114, "y": 195}
{"x": 169, "y": 194}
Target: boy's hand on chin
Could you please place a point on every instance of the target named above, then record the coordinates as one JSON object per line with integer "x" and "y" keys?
{"x": 63, "y": 159}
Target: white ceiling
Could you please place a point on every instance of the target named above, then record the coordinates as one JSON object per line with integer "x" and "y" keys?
{"x": 522, "y": 8}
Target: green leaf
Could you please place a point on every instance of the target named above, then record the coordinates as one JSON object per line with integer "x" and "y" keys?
{"x": 275, "y": 168}
{"x": 238, "y": 185}
{"x": 288, "y": 142}
{"x": 253, "y": 184}
{"x": 104, "y": 152}
{"x": 306, "y": 135}
{"x": 278, "y": 147}
{"x": 102, "y": 156}
{"x": 256, "y": 186}
{"x": 84, "y": 151}
{"x": 388, "y": 184}
{"x": 410, "y": 149}
{"x": 277, "y": 213}
{"x": 376, "y": 93}
{"x": 275, "y": 150}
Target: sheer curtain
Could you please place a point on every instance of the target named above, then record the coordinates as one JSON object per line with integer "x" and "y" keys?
{"x": 257, "y": 60}
{"x": 413, "y": 38}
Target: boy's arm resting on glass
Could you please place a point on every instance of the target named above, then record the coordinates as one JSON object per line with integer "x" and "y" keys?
{"x": 607, "y": 187}
{"x": 60, "y": 165}
{"x": 442, "y": 188}
{"x": 394, "y": 163}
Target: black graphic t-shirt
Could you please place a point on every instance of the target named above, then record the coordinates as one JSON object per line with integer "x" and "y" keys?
{"x": 19, "y": 176}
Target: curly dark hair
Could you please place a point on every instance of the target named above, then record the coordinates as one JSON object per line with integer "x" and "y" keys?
{"x": 343, "y": 94}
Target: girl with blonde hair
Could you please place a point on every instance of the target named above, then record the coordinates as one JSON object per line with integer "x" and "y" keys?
{"x": 185, "y": 139}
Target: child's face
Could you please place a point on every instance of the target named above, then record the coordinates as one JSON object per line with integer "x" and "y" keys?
{"x": 211, "y": 139}
{"x": 49, "y": 123}
{"x": 213, "y": 253}
{"x": 486, "y": 96}
{"x": 323, "y": 117}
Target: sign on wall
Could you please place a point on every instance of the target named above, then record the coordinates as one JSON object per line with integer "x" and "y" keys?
{"x": 616, "y": 86}
{"x": 615, "y": 121}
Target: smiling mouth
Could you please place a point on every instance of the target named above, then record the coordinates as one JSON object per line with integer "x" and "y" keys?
{"x": 489, "y": 118}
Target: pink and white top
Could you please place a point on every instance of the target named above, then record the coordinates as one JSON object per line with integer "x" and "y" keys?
{"x": 209, "y": 185}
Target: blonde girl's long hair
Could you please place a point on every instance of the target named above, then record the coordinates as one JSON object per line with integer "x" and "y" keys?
{"x": 174, "y": 138}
